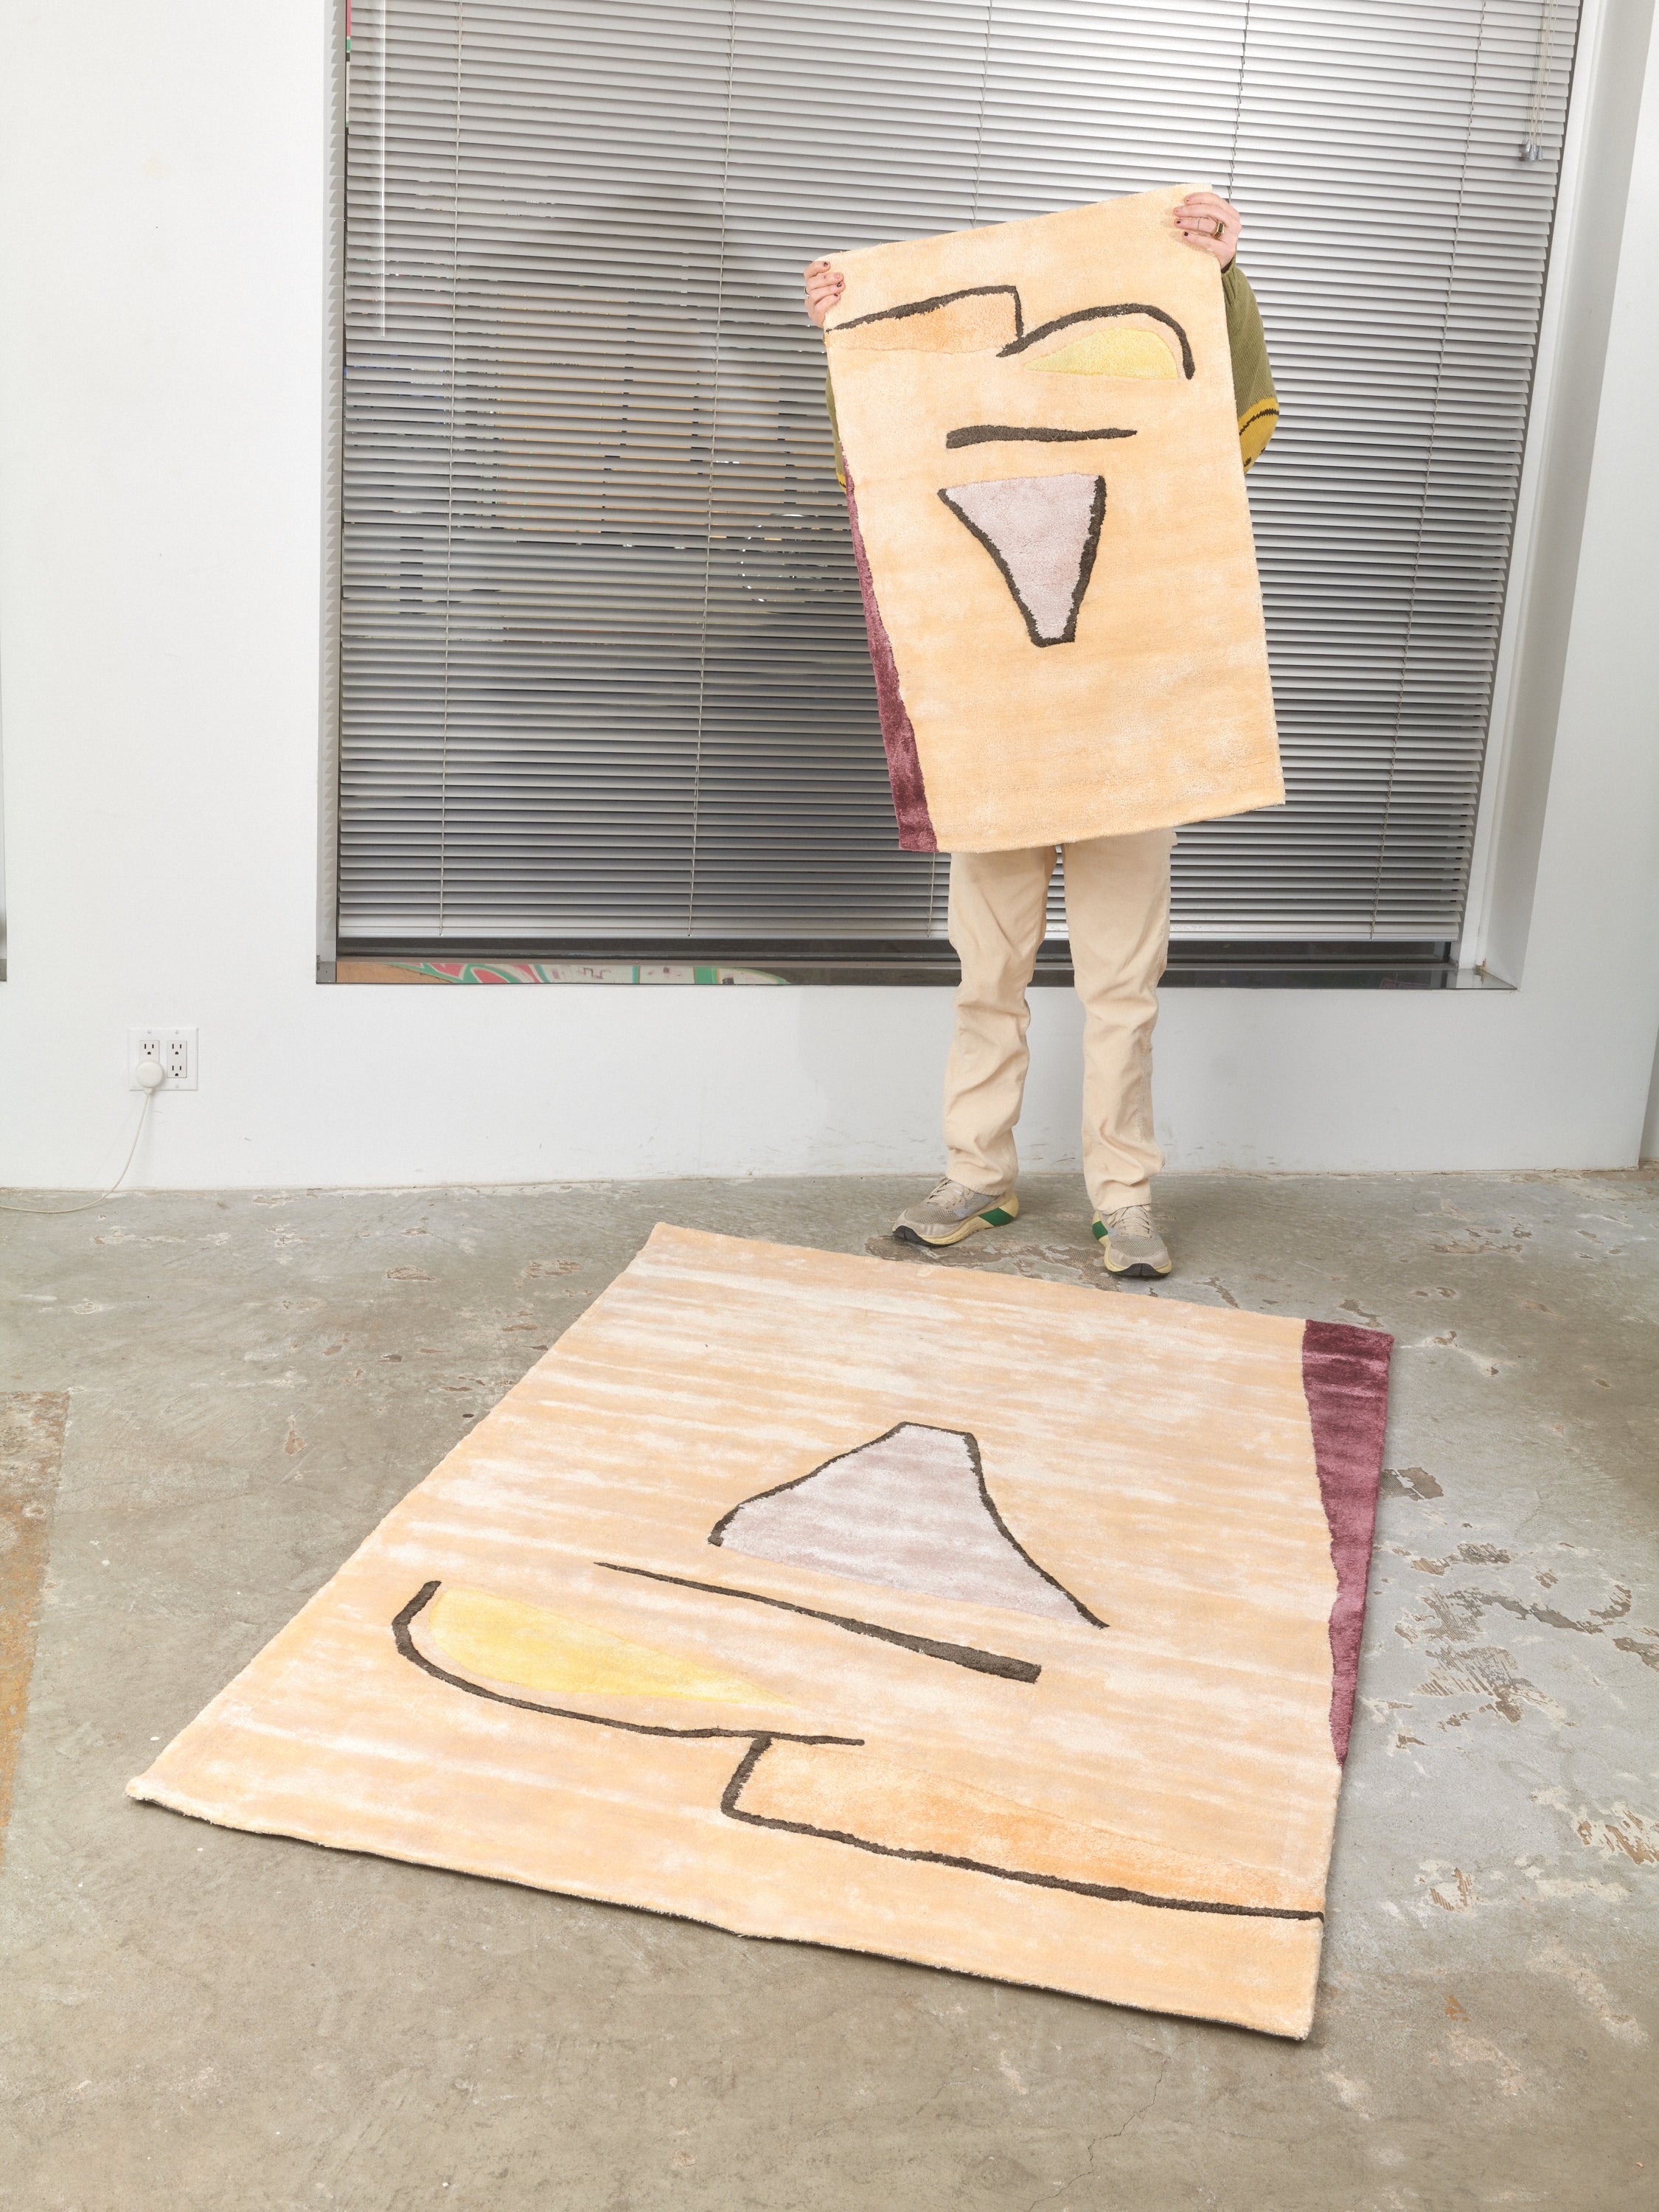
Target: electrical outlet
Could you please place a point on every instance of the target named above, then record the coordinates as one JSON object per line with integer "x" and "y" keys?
{"x": 173, "y": 1050}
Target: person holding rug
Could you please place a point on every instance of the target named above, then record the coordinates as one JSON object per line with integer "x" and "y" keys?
{"x": 1117, "y": 905}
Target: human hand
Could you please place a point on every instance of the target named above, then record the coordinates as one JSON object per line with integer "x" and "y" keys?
{"x": 1196, "y": 219}
{"x": 824, "y": 287}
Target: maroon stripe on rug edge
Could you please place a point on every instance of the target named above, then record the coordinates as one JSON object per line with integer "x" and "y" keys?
{"x": 1344, "y": 1378}
{"x": 903, "y": 766}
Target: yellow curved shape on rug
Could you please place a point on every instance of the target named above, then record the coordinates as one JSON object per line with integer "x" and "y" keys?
{"x": 1123, "y": 350}
{"x": 508, "y": 1641}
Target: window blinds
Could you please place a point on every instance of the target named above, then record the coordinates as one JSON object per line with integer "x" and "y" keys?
{"x": 603, "y": 665}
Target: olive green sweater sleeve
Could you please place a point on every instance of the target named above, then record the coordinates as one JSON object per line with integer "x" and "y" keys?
{"x": 1253, "y": 377}
{"x": 1254, "y": 395}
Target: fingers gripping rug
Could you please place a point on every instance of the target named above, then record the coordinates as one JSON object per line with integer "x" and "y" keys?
{"x": 978, "y": 1621}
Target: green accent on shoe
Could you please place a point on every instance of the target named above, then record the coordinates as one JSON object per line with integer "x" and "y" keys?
{"x": 951, "y": 1212}
{"x": 1100, "y": 1226}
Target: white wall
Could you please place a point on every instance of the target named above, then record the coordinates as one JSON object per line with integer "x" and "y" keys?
{"x": 159, "y": 395}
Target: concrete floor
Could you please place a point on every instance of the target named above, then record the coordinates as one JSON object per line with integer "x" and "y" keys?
{"x": 190, "y": 2017}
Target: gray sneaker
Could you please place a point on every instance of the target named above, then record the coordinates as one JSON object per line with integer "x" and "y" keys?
{"x": 1132, "y": 1245}
{"x": 950, "y": 1211}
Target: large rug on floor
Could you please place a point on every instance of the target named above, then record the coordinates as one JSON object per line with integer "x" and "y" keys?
{"x": 973, "y": 1621}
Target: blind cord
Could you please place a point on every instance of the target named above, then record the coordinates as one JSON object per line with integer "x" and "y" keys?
{"x": 1387, "y": 824}
{"x": 1238, "y": 104}
{"x": 1532, "y": 148}
{"x": 449, "y": 475}
{"x": 713, "y": 463}
{"x": 984, "y": 90}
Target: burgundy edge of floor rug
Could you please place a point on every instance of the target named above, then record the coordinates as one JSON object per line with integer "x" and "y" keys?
{"x": 983, "y": 1622}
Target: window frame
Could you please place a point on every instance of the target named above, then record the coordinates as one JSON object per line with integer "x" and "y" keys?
{"x": 1457, "y": 962}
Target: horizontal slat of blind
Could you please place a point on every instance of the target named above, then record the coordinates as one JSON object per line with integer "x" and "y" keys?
{"x": 603, "y": 671}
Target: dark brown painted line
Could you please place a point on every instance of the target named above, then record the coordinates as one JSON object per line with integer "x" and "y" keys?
{"x": 1029, "y": 338}
{"x": 717, "y": 1534}
{"x": 959, "y": 1655}
{"x": 1108, "y": 1892}
{"x": 1067, "y": 637}
{"x": 32, "y": 1424}
{"x": 990, "y": 1504}
{"x": 990, "y": 434}
{"x": 939, "y": 300}
{"x": 406, "y": 1645}
{"x": 762, "y": 1741}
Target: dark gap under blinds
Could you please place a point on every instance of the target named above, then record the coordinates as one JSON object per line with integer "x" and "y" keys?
{"x": 604, "y": 667}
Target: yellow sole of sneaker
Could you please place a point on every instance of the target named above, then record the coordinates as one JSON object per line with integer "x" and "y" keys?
{"x": 1141, "y": 1269}
{"x": 994, "y": 1216}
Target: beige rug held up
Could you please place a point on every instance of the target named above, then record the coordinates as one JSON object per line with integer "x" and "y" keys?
{"x": 1047, "y": 511}
{"x": 978, "y": 1621}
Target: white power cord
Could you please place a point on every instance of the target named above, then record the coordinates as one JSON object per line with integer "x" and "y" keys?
{"x": 149, "y": 1075}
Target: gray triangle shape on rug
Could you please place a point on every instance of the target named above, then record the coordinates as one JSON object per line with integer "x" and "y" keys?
{"x": 1043, "y": 533}
{"x": 908, "y": 1510}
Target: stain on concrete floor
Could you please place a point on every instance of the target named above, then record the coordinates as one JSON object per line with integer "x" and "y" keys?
{"x": 195, "y": 2018}
{"x": 31, "y": 1451}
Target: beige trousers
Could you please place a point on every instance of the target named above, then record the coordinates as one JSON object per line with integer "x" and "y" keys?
{"x": 1117, "y": 912}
